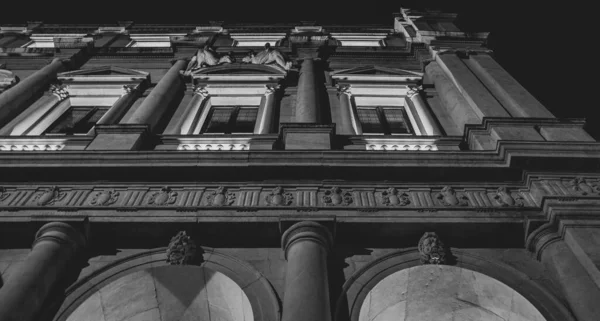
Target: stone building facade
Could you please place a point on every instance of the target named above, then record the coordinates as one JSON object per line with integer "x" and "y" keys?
{"x": 287, "y": 172}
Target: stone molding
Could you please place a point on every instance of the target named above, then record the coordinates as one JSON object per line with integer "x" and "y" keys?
{"x": 306, "y": 231}
{"x": 61, "y": 233}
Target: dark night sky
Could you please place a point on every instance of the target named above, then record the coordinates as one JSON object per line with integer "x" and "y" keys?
{"x": 543, "y": 46}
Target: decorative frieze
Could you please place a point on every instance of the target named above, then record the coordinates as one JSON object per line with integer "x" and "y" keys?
{"x": 341, "y": 197}
{"x": 214, "y": 147}
{"x": 402, "y": 147}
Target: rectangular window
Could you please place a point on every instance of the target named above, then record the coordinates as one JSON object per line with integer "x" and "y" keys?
{"x": 76, "y": 120}
{"x": 383, "y": 120}
{"x": 231, "y": 119}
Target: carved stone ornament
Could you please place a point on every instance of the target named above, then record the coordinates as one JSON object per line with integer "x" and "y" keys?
{"x": 201, "y": 90}
{"x": 206, "y": 57}
{"x": 181, "y": 250}
{"x": 268, "y": 56}
{"x": 583, "y": 187}
{"x": 335, "y": 196}
{"x": 271, "y": 89}
{"x": 50, "y": 196}
{"x": 7, "y": 79}
{"x": 344, "y": 89}
{"x": 505, "y": 198}
{"x": 449, "y": 197}
{"x": 220, "y": 197}
{"x": 60, "y": 91}
{"x": 128, "y": 89}
{"x": 413, "y": 91}
{"x": 105, "y": 198}
{"x": 432, "y": 249}
{"x": 278, "y": 197}
{"x": 3, "y": 194}
{"x": 165, "y": 196}
{"x": 391, "y": 197}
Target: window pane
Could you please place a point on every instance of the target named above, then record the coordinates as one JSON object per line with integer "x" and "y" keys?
{"x": 218, "y": 120}
{"x": 369, "y": 120}
{"x": 84, "y": 125}
{"x": 66, "y": 123}
{"x": 245, "y": 120}
{"x": 396, "y": 121}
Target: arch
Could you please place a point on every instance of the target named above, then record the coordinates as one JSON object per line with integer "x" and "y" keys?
{"x": 362, "y": 282}
{"x": 261, "y": 297}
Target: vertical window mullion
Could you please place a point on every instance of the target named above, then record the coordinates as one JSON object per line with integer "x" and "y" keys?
{"x": 233, "y": 119}
{"x": 384, "y": 124}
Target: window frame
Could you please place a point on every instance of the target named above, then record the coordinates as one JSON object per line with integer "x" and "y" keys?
{"x": 233, "y": 119}
{"x": 383, "y": 120}
{"x": 90, "y": 113}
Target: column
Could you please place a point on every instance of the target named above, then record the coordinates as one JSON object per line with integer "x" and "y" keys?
{"x": 306, "y": 297}
{"x": 307, "y": 101}
{"x": 430, "y": 126}
{"x": 190, "y": 118}
{"x": 25, "y": 291}
{"x": 120, "y": 107}
{"x": 578, "y": 287}
{"x": 349, "y": 125}
{"x": 155, "y": 105}
{"x": 41, "y": 108}
{"x": 264, "y": 119}
{"x": 16, "y": 99}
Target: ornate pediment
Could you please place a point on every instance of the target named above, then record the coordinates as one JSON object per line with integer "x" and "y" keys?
{"x": 240, "y": 72}
{"x": 376, "y": 73}
{"x": 104, "y": 73}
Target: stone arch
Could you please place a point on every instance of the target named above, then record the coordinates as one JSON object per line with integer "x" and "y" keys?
{"x": 227, "y": 273}
{"x": 389, "y": 268}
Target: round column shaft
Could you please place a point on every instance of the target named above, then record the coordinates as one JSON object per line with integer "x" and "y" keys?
{"x": 264, "y": 119}
{"x": 155, "y": 105}
{"x": 120, "y": 107}
{"x": 306, "y": 245}
{"x": 579, "y": 288}
{"x": 346, "y": 113}
{"x": 16, "y": 99}
{"x": 429, "y": 125}
{"x": 26, "y": 289}
{"x": 307, "y": 102}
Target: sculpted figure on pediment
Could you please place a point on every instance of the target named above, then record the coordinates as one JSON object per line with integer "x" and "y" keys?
{"x": 207, "y": 57}
{"x": 268, "y": 56}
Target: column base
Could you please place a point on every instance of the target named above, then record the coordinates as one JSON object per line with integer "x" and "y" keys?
{"x": 300, "y": 136}
{"x": 119, "y": 137}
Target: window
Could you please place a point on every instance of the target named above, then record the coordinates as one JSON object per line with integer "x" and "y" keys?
{"x": 231, "y": 119}
{"x": 383, "y": 120}
{"x": 150, "y": 41}
{"x": 76, "y": 120}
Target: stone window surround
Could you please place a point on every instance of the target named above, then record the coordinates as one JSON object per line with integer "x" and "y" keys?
{"x": 47, "y": 40}
{"x": 77, "y": 94}
{"x": 152, "y": 40}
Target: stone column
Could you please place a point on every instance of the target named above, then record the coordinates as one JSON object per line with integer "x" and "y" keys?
{"x": 430, "y": 127}
{"x": 25, "y": 291}
{"x": 578, "y": 287}
{"x": 307, "y": 101}
{"x": 40, "y": 108}
{"x": 306, "y": 297}
{"x": 155, "y": 105}
{"x": 348, "y": 125}
{"x": 264, "y": 119}
{"x": 120, "y": 107}
{"x": 16, "y": 99}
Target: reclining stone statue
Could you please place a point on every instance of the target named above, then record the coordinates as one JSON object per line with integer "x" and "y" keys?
{"x": 267, "y": 56}
{"x": 206, "y": 57}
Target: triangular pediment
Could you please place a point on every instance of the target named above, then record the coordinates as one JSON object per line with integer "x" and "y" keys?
{"x": 104, "y": 71}
{"x": 376, "y": 70}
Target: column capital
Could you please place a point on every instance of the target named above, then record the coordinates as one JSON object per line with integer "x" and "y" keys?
{"x": 412, "y": 91}
{"x": 344, "y": 89}
{"x": 306, "y": 231}
{"x": 61, "y": 233}
{"x": 60, "y": 91}
{"x": 271, "y": 89}
{"x": 201, "y": 90}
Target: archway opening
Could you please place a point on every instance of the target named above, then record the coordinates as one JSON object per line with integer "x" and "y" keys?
{"x": 167, "y": 293}
{"x": 442, "y": 292}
